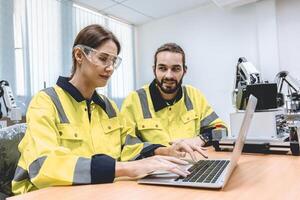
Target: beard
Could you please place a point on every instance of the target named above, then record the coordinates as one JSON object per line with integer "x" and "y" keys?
{"x": 168, "y": 89}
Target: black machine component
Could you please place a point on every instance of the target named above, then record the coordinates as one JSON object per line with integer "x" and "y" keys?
{"x": 262, "y": 147}
{"x": 249, "y": 148}
{"x": 266, "y": 94}
{"x": 289, "y": 144}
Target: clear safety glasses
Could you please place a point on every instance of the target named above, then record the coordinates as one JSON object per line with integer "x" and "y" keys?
{"x": 99, "y": 57}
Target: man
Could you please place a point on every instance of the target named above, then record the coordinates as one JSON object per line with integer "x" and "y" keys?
{"x": 166, "y": 113}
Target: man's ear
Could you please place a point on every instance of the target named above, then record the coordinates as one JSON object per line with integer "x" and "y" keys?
{"x": 184, "y": 69}
{"x": 153, "y": 68}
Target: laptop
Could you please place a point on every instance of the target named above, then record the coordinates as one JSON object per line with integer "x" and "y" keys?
{"x": 208, "y": 173}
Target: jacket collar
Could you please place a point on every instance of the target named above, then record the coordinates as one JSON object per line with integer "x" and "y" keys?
{"x": 64, "y": 83}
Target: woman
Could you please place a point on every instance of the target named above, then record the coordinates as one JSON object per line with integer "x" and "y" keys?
{"x": 73, "y": 134}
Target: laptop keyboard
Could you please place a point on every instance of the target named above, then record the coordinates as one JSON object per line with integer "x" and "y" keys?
{"x": 206, "y": 171}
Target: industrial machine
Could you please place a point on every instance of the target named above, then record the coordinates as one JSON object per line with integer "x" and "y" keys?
{"x": 276, "y": 122}
{"x": 13, "y": 112}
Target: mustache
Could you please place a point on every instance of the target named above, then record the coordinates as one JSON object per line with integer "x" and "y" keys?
{"x": 169, "y": 79}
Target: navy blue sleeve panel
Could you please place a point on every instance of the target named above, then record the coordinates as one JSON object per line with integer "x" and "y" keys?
{"x": 149, "y": 151}
{"x": 102, "y": 169}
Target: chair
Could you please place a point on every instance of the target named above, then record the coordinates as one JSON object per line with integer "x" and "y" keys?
{"x": 10, "y": 138}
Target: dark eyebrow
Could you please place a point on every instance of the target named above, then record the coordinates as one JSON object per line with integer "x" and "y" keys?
{"x": 161, "y": 65}
{"x": 176, "y": 66}
{"x": 172, "y": 66}
{"x": 103, "y": 53}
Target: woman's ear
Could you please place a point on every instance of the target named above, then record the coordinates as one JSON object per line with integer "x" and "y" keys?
{"x": 78, "y": 56}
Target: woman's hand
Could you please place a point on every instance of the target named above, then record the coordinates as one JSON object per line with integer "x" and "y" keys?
{"x": 148, "y": 165}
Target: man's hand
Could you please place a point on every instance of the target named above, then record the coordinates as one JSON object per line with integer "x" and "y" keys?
{"x": 179, "y": 148}
{"x": 196, "y": 141}
{"x": 148, "y": 165}
{"x": 190, "y": 146}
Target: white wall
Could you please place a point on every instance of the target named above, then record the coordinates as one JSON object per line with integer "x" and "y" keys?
{"x": 288, "y": 18}
{"x": 214, "y": 39}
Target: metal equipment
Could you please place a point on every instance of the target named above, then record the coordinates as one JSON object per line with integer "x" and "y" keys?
{"x": 274, "y": 129}
{"x": 292, "y": 91}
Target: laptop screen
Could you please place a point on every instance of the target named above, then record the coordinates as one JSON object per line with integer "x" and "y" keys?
{"x": 239, "y": 144}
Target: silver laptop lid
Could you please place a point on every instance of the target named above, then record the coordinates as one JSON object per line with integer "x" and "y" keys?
{"x": 239, "y": 144}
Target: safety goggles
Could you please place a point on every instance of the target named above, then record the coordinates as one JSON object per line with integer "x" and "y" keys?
{"x": 100, "y": 58}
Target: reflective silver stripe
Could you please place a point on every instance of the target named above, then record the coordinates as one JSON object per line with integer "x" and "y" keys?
{"x": 20, "y": 174}
{"x": 54, "y": 97}
{"x": 187, "y": 100}
{"x": 82, "y": 172}
{"x": 146, "y": 144}
{"x": 130, "y": 140}
{"x": 35, "y": 166}
{"x": 110, "y": 111}
{"x": 209, "y": 119}
{"x": 144, "y": 103}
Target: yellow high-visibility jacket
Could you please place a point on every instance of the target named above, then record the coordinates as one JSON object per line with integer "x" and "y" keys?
{"x": 68, "y": 142}
{"x": 153, "y": 121}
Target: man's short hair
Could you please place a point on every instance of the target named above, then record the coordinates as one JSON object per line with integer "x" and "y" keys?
{"x": 171, "y": 47}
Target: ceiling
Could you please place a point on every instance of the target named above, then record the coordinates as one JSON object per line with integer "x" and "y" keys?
{"x": 138, "y": 12}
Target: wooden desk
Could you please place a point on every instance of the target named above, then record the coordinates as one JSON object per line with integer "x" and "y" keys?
{"x": 257, "y": 176}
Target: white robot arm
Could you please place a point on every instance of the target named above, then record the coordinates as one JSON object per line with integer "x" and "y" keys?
{"x": 13, "y": 112}
{"x": 246, "y": 74}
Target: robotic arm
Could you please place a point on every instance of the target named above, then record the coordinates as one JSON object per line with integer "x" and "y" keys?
{"x": 13, "y": 112}
{"x": 293, "y": 90}
{"x": 246, "y": 74}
